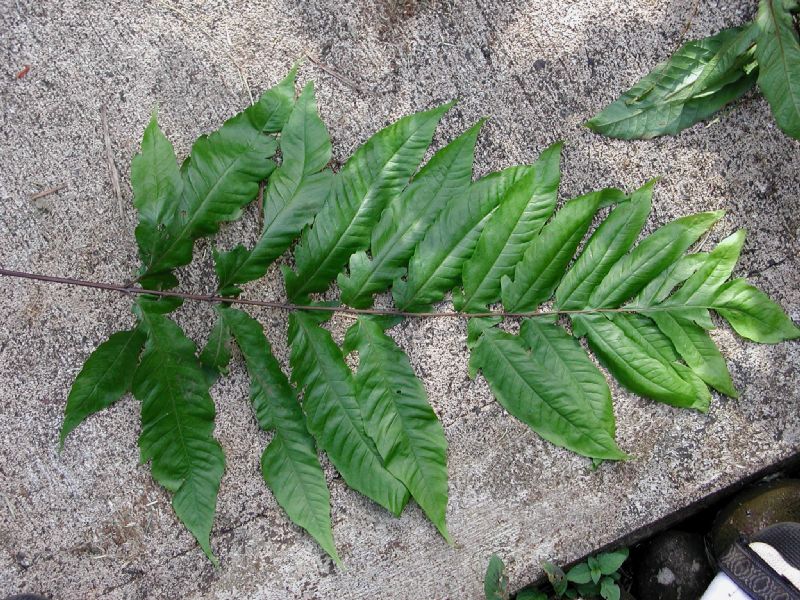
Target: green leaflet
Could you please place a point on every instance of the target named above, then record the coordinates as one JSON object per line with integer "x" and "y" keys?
{"x": 289, "y": 464}
{"x": 752, "y": 314}
{"x": 715, "y": 270}
{"x": 445, "y": 178}
{"x": 178, "y": 424}
{"x": 397, "y": 416}
{"x": 694, "y": 83}
{"x": 334, "y": 415}
{"x": 495, "y": 582}
{"x": 157, "y": 186}
{"x": 542, "y": 266}
{"x": 523, "y": 211}
{"x": 642, "y": 358}
{"x": 662, "y": 285}
{"x": 702, "y": 275}
{"x": 544, "y": 378}
{"x": 106, "y": 375}
{"x": 698, "y": 350}
{"x": 216, "y": 354}
{"x": 376, "y": 173}
{"x": 609, "y": 242}
{"x": 295, "y": 193}
{"x": 439, "y": 258}
{"x": 778, "y": 54}
{"x": 651, "y": 256}
{"x": 222, "y": 175}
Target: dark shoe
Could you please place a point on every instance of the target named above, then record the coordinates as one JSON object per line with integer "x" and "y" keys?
{"x": 766, "y": 568}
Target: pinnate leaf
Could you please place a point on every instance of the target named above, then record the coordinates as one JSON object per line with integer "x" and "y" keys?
{"x": 371, "y": 178}
{"x": 178, "y": 424}
{"x": 289, "y": 463}
{"x": 397, "y": 416}
{"x": 333, "y": 413}
{"x": 106, "y": 375}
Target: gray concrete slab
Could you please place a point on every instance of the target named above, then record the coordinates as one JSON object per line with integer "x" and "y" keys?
{"x": 89, "y": 523}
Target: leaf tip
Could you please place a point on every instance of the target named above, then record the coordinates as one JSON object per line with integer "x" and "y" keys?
{"x": 592, "y": 125}
{"x": 650, "y": 183}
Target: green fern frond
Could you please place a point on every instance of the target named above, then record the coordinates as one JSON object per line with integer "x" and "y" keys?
{"x": 383, "y": 223}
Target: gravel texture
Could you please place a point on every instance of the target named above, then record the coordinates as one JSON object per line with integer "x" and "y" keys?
{"x": 89, "y": 523}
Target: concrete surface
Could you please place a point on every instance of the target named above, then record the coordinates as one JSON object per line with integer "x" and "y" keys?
{"x": 89, "y": 523}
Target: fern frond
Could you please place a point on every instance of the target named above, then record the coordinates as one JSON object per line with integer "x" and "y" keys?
{"x": 382, "y": 222}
